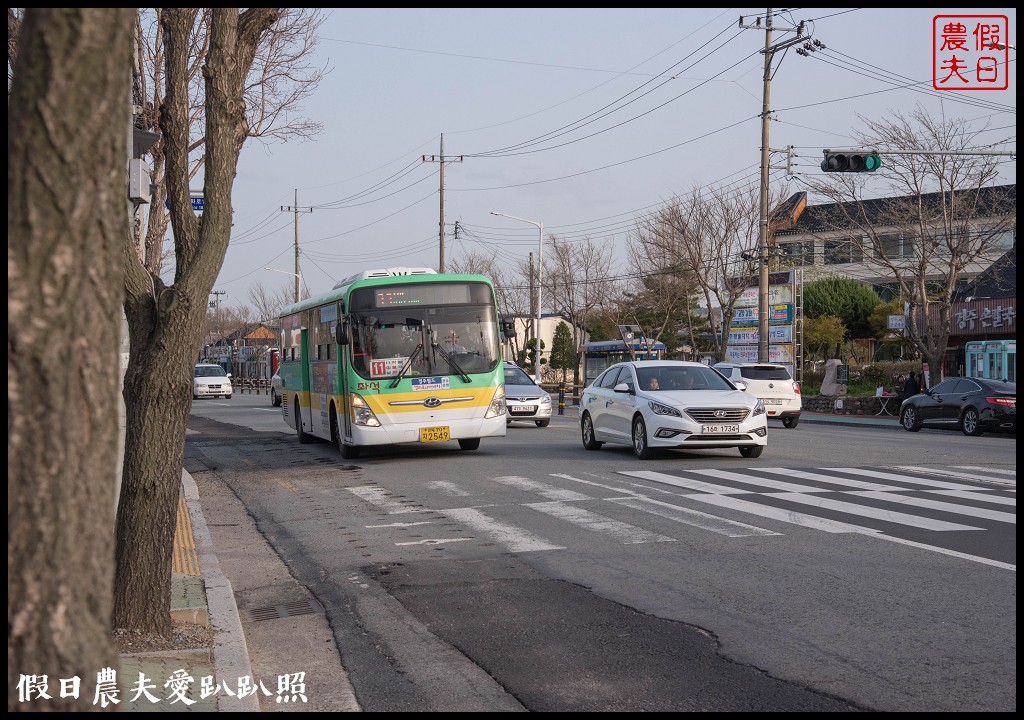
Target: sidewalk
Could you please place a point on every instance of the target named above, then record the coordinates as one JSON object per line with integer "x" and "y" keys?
{"x": 199, "y": 594}
{"x": 889, "y": 421}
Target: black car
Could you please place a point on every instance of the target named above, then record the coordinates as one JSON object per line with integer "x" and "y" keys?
{"x": 974, "y": 405}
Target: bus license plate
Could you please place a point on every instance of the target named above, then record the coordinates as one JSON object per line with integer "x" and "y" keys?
{"x": 435, "y": 434}
{"x": 719, "y": 429}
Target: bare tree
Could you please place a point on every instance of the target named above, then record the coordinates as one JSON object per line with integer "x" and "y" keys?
{"x": 665, "y": 293}
{"x": 706, "y": 234}
{"x": 576, "y": 279}
{"x": 943, "y": 219}
{"x": 280, "y": 80}
{"x": 267, "y": 304}
{"x": 512, "y": 295}
{"x": 166, "y": 321}
{"x": 67, "y": 215}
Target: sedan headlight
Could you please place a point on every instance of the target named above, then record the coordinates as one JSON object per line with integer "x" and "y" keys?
{"x": 759, "y": 408}
{"x": 545, "y": 400}
{"x": 659, "y": 409}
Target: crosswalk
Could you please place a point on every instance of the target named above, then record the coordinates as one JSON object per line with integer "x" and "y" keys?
{"x": 922, "y": 507}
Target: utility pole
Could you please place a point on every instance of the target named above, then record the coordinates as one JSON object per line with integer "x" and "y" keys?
{"x": 762, "y": 242}
{"x": 295, "y": 208}
{"x": 441, "y": 159}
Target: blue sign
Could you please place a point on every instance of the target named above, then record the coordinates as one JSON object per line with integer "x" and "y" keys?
{"x": 197, "y": 203}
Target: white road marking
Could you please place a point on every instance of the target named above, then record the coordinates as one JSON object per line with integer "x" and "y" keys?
{"x": 843, "y": 482}
{"x": 979, "y": 496}
{"x": 580, "y": 517}
{"x": 944, "y": 551}
{"x": 953, "y": 508}
{"x": 871, "y": 512}
{"x": 449, "y": 488}
{"x": 965, "y": 476}
{"x": 695, "y": 518}
{"x": 380, "y": 498}
{"x": 401, "y": 524}
{"x": 547, "y": 491}
{"x": 514, "y": 538}
{"x": 685, "y": 482}
{"x": 786, "y": 516}
{"x": 764, "y": 482}
{"x": 929, "y": 482}
{"x": 436, "y": 541}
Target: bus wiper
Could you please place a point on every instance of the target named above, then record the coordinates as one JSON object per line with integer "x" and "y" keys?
{"x": 451, "y": 361}
{"x": 405, "y": 368}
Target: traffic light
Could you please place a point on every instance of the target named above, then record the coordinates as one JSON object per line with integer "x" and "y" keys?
{"x": 850, "y": 161}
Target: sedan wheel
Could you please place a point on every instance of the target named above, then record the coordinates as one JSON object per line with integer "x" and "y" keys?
{"x": 753, "y": 451}
{"x": 911, "y": 420}
{"x": 971, "y": 423}
{"x": 543, "y": 423}
{"x": 790, "y": 422}
{"x": 640, "y": 446}
{"x": 589, "y": 441}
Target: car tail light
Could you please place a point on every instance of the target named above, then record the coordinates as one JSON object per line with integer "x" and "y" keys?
{"x": 796, "y": 387}
{"x": 1009, "y": 402}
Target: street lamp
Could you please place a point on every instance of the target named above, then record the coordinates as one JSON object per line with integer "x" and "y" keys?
{"x": 297, "y": 276}
{"x": 540, "y": 267}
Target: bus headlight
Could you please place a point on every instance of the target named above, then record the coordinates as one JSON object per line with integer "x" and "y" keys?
{"x": 361, "y": 412}
{"x": 497, "y": 406}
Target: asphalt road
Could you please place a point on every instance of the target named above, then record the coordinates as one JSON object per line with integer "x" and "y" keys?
{"x": 533, "y": 575}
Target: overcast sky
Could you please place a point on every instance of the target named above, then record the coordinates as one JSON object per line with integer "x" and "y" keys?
{"x": 582, "y": 120}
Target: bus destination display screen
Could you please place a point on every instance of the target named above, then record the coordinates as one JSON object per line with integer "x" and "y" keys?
{"x": 406, "y": 295}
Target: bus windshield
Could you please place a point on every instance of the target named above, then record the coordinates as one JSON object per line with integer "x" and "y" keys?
{"x": 420, "y": 340}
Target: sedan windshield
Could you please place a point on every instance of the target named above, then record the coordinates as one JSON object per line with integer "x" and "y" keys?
{"x": 213, "y": 371}
{"x": 516, "y": 376}
{"x": 680, "y": 378}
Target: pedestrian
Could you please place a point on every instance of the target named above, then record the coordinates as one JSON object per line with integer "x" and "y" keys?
{"x": 901, "y": 381}
{"x": 912, "y": 386}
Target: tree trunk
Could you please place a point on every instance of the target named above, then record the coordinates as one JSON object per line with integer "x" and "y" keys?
{"x": 67, "y": 217}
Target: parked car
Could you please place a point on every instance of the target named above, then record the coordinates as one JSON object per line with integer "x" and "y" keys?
{"x": 772, "y": 383}
{"x": 275, "y": 390}
{"x": 973, "y": 405}
{"x": 211, "y": 381}
{"x": 652, "y": 404}
{"x": 525, "y": 399}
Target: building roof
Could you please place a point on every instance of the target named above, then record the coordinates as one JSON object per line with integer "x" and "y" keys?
{"x": 994, "y": 200}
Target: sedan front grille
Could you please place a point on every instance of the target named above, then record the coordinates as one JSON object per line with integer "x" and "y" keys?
{"x": 718, "y": 415}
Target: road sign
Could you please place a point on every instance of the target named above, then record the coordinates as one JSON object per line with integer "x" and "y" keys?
{"x": 197, "y": 203}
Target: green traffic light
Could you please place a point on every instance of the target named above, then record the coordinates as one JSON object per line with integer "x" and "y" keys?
{"x": 872, "y": 162}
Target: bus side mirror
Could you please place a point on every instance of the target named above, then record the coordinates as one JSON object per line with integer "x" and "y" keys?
{"x": 341, "y": 332}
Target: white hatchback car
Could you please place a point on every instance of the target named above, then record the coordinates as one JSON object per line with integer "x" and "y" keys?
{"x": 651, "y": 404}
{"x": 211, "y": 381}
{"x": 772, "y": 383}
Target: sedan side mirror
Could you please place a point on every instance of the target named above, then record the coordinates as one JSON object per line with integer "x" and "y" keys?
{"x": 740, "y": 385}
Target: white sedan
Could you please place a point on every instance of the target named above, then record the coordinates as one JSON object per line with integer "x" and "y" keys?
{"x": 652, "y": 404}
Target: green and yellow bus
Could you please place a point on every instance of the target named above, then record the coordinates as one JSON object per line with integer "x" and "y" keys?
{"x": 392, "y": 356}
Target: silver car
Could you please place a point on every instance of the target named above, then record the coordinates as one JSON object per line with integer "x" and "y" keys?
{"x": 525, "y": 399}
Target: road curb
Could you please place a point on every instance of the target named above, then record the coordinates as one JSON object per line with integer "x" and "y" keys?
{"x": 230, "y": 652}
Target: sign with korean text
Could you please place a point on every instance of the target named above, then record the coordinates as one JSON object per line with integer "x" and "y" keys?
{"x": 386, "y": 367}
{"x": 776, "y": 314}
{"x": 776, "y": 334}
{"x": 777, "y": 295}
{"x": 783, "y": 354}
{"x": 970, "y": 52}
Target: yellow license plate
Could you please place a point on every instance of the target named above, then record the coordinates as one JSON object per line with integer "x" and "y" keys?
{"x": 435, "y": 434}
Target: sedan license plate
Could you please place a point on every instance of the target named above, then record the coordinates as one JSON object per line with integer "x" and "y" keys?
{"x": 435, "y": 434}
{"x": 520, "y": 408}
{"x": 719, "y": 429}
{"x": 772, "y": 401}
